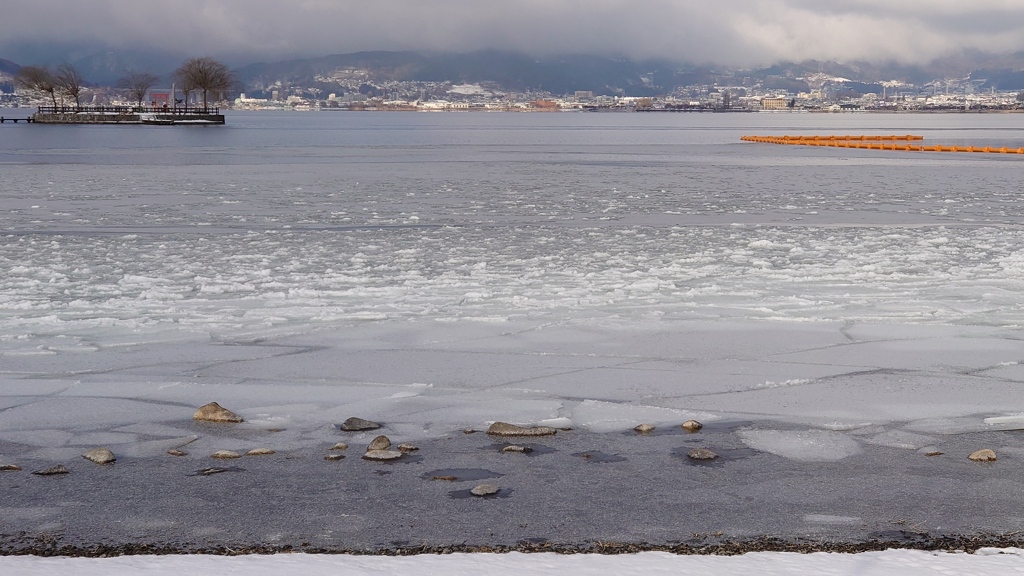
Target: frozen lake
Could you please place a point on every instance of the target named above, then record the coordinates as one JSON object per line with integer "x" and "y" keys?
{"x": 837, "y": 314}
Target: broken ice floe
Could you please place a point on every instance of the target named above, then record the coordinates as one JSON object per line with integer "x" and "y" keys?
{"x": 808, "y": 445}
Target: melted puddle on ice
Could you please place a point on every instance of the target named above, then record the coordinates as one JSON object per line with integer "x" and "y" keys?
{"x": 534, "y": 449}
{"x": 724, "y": 455}
{"x": 597, "y": 457}
{"x": 405, "y": 459}
{"x": 460, "y": 474}
{"x": 467, "y": 494}
{"x": 216, "y": 470}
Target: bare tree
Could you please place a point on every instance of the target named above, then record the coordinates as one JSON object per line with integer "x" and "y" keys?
{"x": 137, "y": 84}
{"x": 70, "y": 82}
{"x": 37, "y": 79}
{"x": 206, "y": 75}
{"x": 187, "y": 87}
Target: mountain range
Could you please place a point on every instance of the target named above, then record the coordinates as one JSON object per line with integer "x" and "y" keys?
{"x": 557, "y": 74}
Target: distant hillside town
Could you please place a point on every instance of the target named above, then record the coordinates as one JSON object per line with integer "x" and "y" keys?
{"x": 499, "y": 81}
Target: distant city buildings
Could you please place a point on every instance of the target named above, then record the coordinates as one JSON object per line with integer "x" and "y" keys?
{"x": 774, "y": 103}
{"x": 360, "y": 89}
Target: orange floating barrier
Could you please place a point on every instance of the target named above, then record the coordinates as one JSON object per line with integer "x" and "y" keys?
{"x": 868, "y": 142}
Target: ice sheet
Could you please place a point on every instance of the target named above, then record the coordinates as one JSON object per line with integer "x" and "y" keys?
{"x": 836, "y": 307}
{"x": 424, "y": 379}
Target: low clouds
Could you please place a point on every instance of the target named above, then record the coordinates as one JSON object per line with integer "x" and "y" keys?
{"x": 738, "y": 32}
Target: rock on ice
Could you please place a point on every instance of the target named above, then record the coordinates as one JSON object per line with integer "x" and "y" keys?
{"x": 506, "y": 429}
{"x": 214, "y": 412}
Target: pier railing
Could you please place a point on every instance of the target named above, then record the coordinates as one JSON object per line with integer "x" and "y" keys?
{"x": 129, "y": 110}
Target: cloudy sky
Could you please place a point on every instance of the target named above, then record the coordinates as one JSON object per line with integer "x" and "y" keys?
{"x": 728, "y": 32}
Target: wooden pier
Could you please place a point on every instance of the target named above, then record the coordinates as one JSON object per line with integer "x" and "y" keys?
{"x": 151, "y": 115}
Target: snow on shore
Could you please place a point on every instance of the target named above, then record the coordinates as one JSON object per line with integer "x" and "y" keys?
{"x": 888, "y": 563}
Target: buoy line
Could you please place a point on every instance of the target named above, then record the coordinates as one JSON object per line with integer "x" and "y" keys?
{"x": 876, "y": 142}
